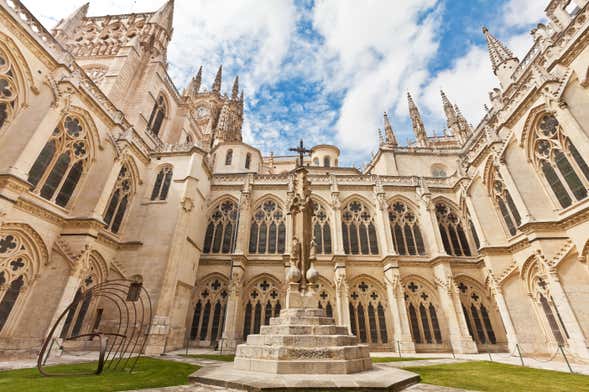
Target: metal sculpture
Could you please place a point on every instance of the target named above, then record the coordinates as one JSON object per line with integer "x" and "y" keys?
{"x": 122, "y": 341}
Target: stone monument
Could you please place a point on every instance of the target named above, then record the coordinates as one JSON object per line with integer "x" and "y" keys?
{"x": 302, "y": 348}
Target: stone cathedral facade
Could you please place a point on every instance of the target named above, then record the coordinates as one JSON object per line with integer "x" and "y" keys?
{"x": 474, "y": 240}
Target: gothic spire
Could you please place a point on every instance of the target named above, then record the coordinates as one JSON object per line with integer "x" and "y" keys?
{"x": 235, "y": 92}
{"x": 66, "y": 26}
{"x": 390, "y": 138}
{"x": 449, "y": 110}
{"x": 380, "y": 138}
{"x": 498, "y": 52}
{"x": 417, "y": 122}
{"x": 164, "y": 16}
{"x": 217, "y": 82}
{"x": 194, "y": 86}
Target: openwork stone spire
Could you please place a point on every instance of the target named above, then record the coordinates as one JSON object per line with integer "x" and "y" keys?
{"x": 194, "y": 86}
{"x": 498, "y": 52}
{"x": 164, "y": 16}
{"x": 235, "y": 92}
{"x": 457, "y": 124}
{"x": 418, "y": 127}
{"x": 218, "y": 79}
{"x": 390, "y": 138}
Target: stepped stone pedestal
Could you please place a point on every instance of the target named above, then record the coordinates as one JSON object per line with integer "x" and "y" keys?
{"x": 303, "y": 341}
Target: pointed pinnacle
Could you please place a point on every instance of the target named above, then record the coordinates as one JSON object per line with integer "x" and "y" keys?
{"x": 498, "y": 52}
{"x": 218, "y": 79}
{"x": 235, "y": 91}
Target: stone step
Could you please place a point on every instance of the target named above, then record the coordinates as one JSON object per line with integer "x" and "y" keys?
{"x": 290, "y": 353}
{"x": 300, "y": 312}
{"x": 298, "y": 320}
{"x": 303, "y": 340}
{"x": 303, "y": 330}
{"x": 311, "y": 366}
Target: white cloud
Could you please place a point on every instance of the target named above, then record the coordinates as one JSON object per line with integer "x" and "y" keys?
{"x": 372, "y": 52}
{"x": 520, "y": 13}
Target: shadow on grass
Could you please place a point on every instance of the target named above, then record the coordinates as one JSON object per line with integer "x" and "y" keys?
{"x": 148, "y": 373}
{"x": 492, "y": 376}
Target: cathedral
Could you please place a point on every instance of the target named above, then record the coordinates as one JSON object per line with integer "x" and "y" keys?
{"x": 473, "y": 240}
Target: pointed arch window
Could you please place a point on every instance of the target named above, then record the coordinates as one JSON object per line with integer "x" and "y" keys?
{"x": 248, "y": 160}
{"x": 326, "y": 298}
{"x": 321, "y": 229}
{"x": 405, "y": 230}
{"x": 16, "y": 268}
{"x": 229, "y": 157}
{"x": 119, "y": 200}
{"x": 367, "y": 315}
{"x": 543, "y": 298}
{"x": 358, "y": 230}
{"x": 62, "y": 161}
{"x": 209, "y": 309}
{"x": 268, "y": 229}
{"x": 221, "y": 228}
{"x": 158, "y": 114}
{"x": 263, "y": 301}
{"x": 161, "y": 186}
{"x": 563, "y": 167}
{"x": 423, "y": 314}
{"x": 8, "y": 89}
{"x": 76, "y": 317}
{"x": 505, "y": 205}
{"x": 475, "y": 307}
{"x": 452, "y": 231}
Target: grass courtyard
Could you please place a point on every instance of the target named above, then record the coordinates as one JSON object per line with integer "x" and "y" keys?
{"x": 149, "y": 373}
{"x": 154, "y": 373}
{"x": 493, "y": 376}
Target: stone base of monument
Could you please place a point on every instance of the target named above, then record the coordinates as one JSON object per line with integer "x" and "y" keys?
{"x": 303, "y": 349}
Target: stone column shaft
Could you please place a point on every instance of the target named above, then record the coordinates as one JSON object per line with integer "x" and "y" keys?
{"x": 396, "y": 300}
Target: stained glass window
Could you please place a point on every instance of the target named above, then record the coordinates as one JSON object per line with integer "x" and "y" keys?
{"x": 158, "y": 114}
{"x": 321, "y": 229}
{"x": 268, "y": 229}
{"x": 405, "y": 230}
{"x": 117, "y": 206}
{"x": 161, "y": 186}
{"x": 221, "y": 228}
{"x": 454, "y": 238}
{"x": 359, "y": 233}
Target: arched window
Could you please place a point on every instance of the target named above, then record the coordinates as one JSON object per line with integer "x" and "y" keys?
{"x": 505, "y": 205}
{"x": 119, "y": 200}
{"x": 321, "y": 229}
{"x": 158, "y": 114}
{"x": 209, "y": 310}
{"x": 476, "y": 309}
{"x": 326, "y": 298}
{"x": 60, "y": 165}
{"x": 405, "y": 230}
{"x": 248, "y": 160}
{"x": 161, "y": 186}
{"x": 316, "y": 161}
{"x": 559, "y": 160}
{"x": 454, "y": 236}
{"x": 229, "y": 157}
{"x": 326, "y": 162}
{"x": 8, "y": 89}
{"x": 358, "y": 230}
{"x": 367, "y": 313}
{"x": 268, "y": 229}
{"x": 263, "y": 301}
{"x": 16, "y": 270}
{"x": 540, "y": 290}
{"x": 439, "y": 171}
{"x": 221, "y": 228}
{"x": 422, "y": 309}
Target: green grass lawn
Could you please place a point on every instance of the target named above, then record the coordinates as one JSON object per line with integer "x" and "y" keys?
{"x": 397, "y": 359}
{"x": 148, "y": 373}
{"x": 214, "y": 357}
{"x": 492, "y": 376}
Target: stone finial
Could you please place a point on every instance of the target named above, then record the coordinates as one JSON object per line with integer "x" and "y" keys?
{"x": 235, "y": 90}
{"x": 417, "y": 122}
{"x": 498, "y": 52}
{"x": 390, "y": 138}
{"x": 218, "y": 78}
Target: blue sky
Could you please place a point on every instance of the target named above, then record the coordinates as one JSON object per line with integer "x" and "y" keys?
{"x": 326, "y": 70}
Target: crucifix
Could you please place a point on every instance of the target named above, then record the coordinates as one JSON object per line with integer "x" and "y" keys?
{"x": 301, "y": 150}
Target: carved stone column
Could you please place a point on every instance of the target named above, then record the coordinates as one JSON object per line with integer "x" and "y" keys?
{"x": 520, "y": 204}
{"x": 577, "y": 343}
{"x": 497, "y": 293}
{"x": 336, "y": 218}
{"x": 242, "y": 239}
{"x": 460, "y": 338}
{"x": 342, "y": 312}
{"x": 427, "y": 215}
{"x": 396, "y": 300}
{"x": 382, "y": 220}
{"x": 233, "y": 316}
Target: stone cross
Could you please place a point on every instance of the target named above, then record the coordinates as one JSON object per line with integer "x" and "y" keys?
{"x": 301, "y": 150}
